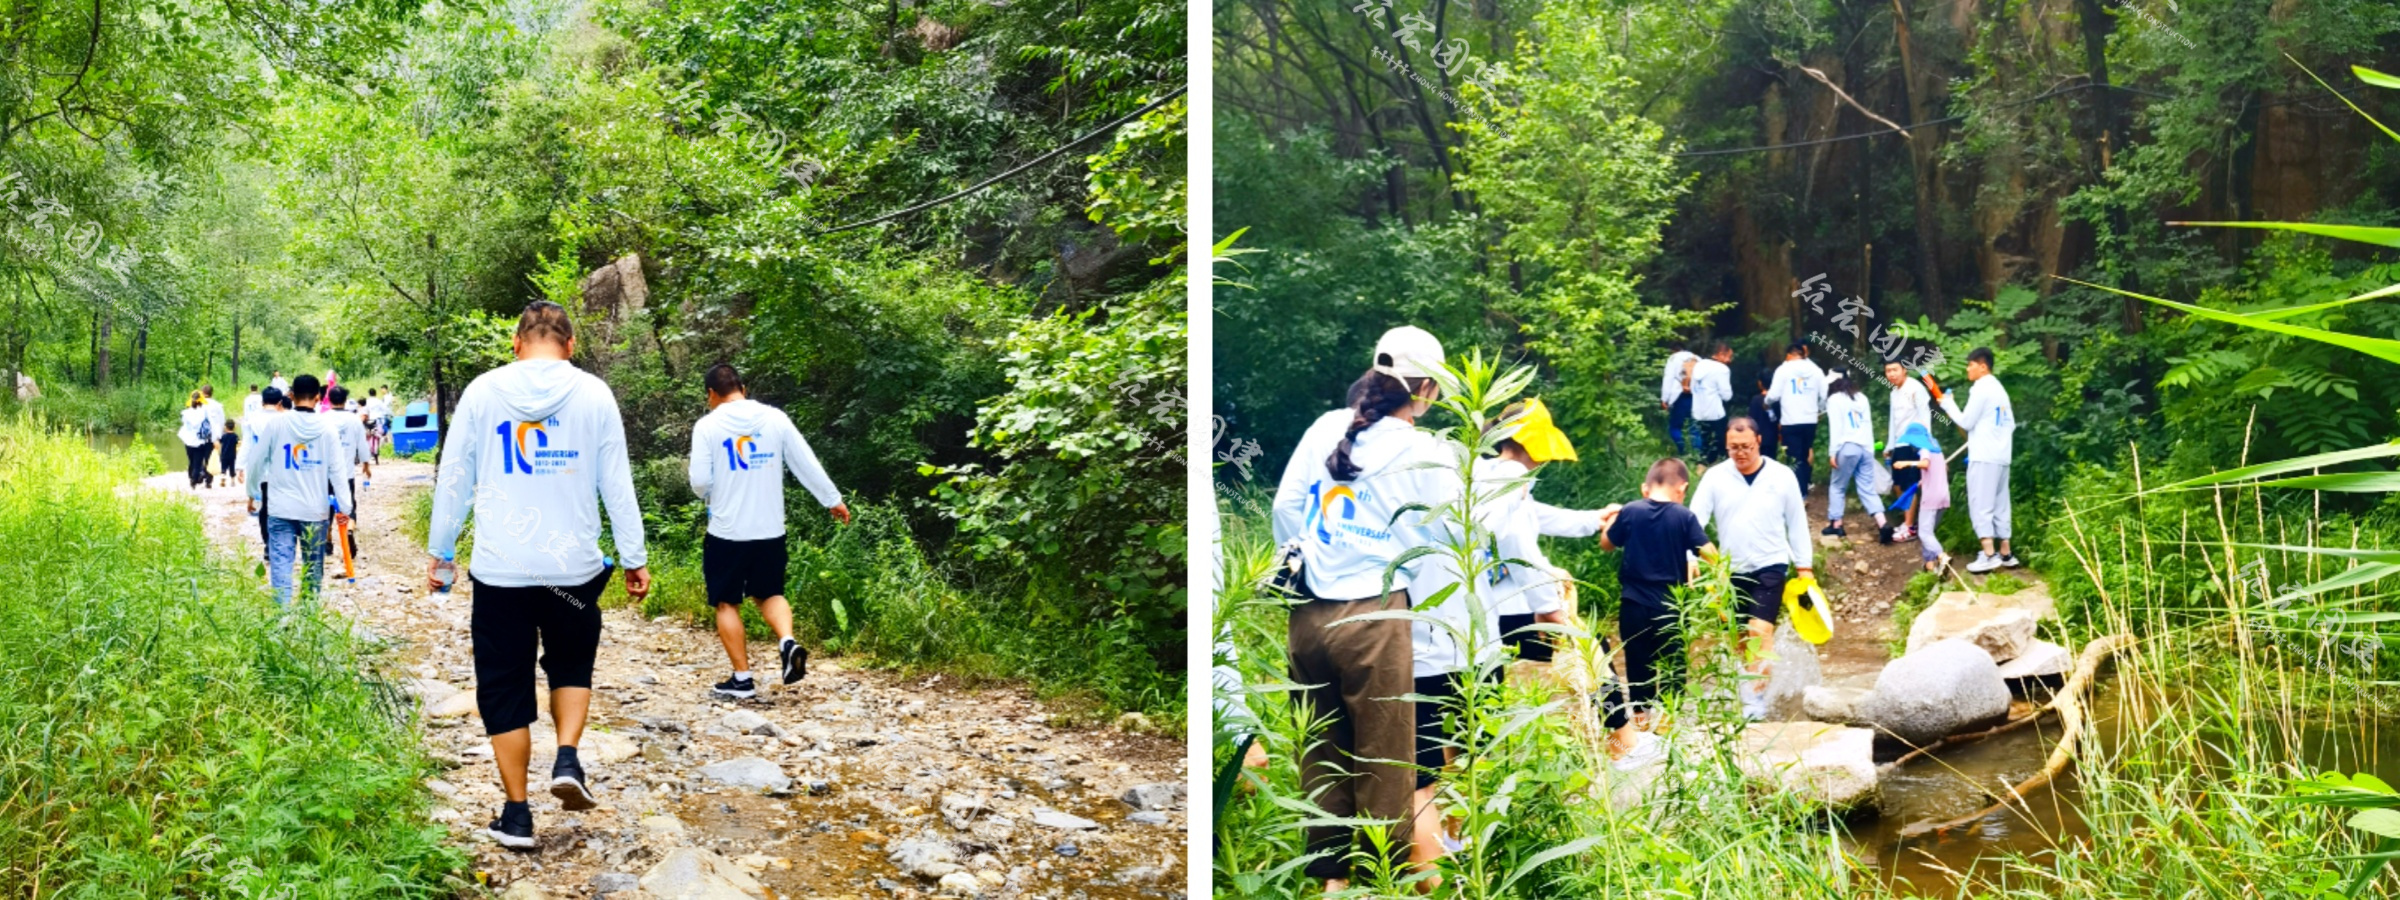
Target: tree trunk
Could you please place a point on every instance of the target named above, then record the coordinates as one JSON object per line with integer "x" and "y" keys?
{"x": 235, "y": 378}
{"x": 1926, "y": 169}
{"x": 141, "y": 346}
{"x": 100, "y": 357}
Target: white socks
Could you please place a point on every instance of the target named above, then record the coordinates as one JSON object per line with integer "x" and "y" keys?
{"x": 741, "y": 676}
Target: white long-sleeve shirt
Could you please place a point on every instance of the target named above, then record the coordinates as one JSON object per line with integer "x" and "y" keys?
{"x": 1990, "y": 421}
{"x": 1348, "y": 530}
{"x": 1798, "y": 391}
{"x": 299, "y": 458}
{"x": 1910, "y": 406}
{"x": 1761, "y": 521}
{"x": 354, "y": 441}
{"x": 189, "y": 431}
{"x": 534, "y": 448}
{"x": 1852, "y": 420}
{"x": 1670, "y": 384}
{"x": 1519, "y": 579}
{"x": 216, "y": 418}
{"x": 1712, "y": 388}
{"x": 740, "y": 451}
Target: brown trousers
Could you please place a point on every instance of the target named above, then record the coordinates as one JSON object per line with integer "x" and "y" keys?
{"x": 1355, "y": 674}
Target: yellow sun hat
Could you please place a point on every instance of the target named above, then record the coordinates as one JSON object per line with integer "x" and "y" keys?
{"x": 1540, "y": 437}
{"x": 1804, "y": 604}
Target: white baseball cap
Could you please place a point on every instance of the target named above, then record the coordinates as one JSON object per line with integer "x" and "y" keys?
{"x": 1408, "y": 352}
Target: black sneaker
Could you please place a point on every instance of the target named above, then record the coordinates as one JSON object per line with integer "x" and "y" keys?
{"x": 795, "y": 662}
{"x": 566, "y": 783}
{"x": 736, "y": 689}
{"x": 1834, "y": 531}
{"x": 514, "y": 828}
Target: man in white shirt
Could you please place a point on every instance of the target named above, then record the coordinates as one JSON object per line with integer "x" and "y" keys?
{"x": 1798, "y": 393}
{"x": 740, "y": 451}
{"x": 1675, "y": 394}
{"x": 216, "y": 422}
{"x": 1712, "y": 389}
{"x": 1762, "y": 524}
{"x": 1991, "y": 425}
{"x": 1910, "y": 406}
{"x": 280, "y": 383}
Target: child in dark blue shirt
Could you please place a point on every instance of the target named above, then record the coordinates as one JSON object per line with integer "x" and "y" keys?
{"x": 1657, "y": 533}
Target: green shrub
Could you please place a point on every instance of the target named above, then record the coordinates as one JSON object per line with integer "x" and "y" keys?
{"x": 167, "y": 731}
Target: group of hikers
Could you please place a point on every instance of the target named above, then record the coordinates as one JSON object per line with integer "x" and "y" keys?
{"x": 533, "y": 452}
{"x": 1695, "y": 391}
{"x": 205, "y": 430}
{"x": 1367, "y": 492}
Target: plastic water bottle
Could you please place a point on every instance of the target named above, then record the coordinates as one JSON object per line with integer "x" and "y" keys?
{"x": 445, "y": 574}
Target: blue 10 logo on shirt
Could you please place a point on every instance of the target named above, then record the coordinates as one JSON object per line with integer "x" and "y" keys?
{"x": 525, "y": 448}
{"x": 741, "y": 451}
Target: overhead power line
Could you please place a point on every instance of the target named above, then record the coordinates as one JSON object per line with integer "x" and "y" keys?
{"x": 2045, "y": 95}
{"x": 1004, "y": 176}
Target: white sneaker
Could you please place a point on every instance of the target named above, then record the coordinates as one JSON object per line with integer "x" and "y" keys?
{"x": 1647, "y": 749}
{"x": 2008, "y": 560}
{"x": 1984, "y": 562}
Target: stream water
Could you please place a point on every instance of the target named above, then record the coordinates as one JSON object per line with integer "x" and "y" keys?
{"x": 1936, "y": 790}
{"x": 168, "y": 449}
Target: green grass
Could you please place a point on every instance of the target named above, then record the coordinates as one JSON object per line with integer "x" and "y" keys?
{"x": 164, "y": 731}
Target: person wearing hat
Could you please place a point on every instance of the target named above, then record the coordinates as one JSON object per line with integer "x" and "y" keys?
{"x": 1353, "y": 501}
{"x": 1762, "y": 524}
{"x": 1933, "y": 489}
{"x": 198, "y": 438}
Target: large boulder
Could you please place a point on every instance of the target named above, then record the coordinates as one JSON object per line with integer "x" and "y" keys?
{"x": 695, "y": 874}
{"x": 1794, "y": 671}
{"x": 1937, "y": 691}
{"x": 1825, "y": 764}
{"x": 1999, "y": 623}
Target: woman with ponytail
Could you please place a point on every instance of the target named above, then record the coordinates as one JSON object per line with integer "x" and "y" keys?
{"x": 1341, "y": 503}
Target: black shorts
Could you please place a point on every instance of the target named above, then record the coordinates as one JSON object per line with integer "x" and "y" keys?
{"x": 738, "y": 569}
{"x": 1532, "y": 646}
{"x": 1432, "y": 754}
{"x": 510, "y": 624}
{"x": 1903, "y": 479}
{"x": 1762, "y": 591}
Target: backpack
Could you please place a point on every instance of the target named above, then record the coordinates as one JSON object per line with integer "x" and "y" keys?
{"x": 207, "y": 435}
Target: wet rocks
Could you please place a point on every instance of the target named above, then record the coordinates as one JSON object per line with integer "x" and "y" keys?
{"x": 1937, "y": 691}
{"x": 2041, "y": 660}
{"x": 1159, "y": 796}
{"x": 695, "y": 874}
{"x": 1824, "y": 703}
{"x": 1825, "y": 764}
{"x": 749, "y": 772}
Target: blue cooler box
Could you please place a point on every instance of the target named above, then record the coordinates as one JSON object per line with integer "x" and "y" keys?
{"x": 417, "y": 430}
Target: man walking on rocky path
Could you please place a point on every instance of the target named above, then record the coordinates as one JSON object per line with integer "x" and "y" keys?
{"x": 1762, "y": 523}
{"x": 736, "y": 449}
{"x": 293, "y": 462}
{"x": 533, "y": 448}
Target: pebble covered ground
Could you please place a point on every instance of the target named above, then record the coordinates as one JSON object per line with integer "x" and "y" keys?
{"x": 854, "y": 783}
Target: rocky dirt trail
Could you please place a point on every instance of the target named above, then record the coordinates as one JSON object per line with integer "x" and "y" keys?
{"x": 854, "y": 783}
